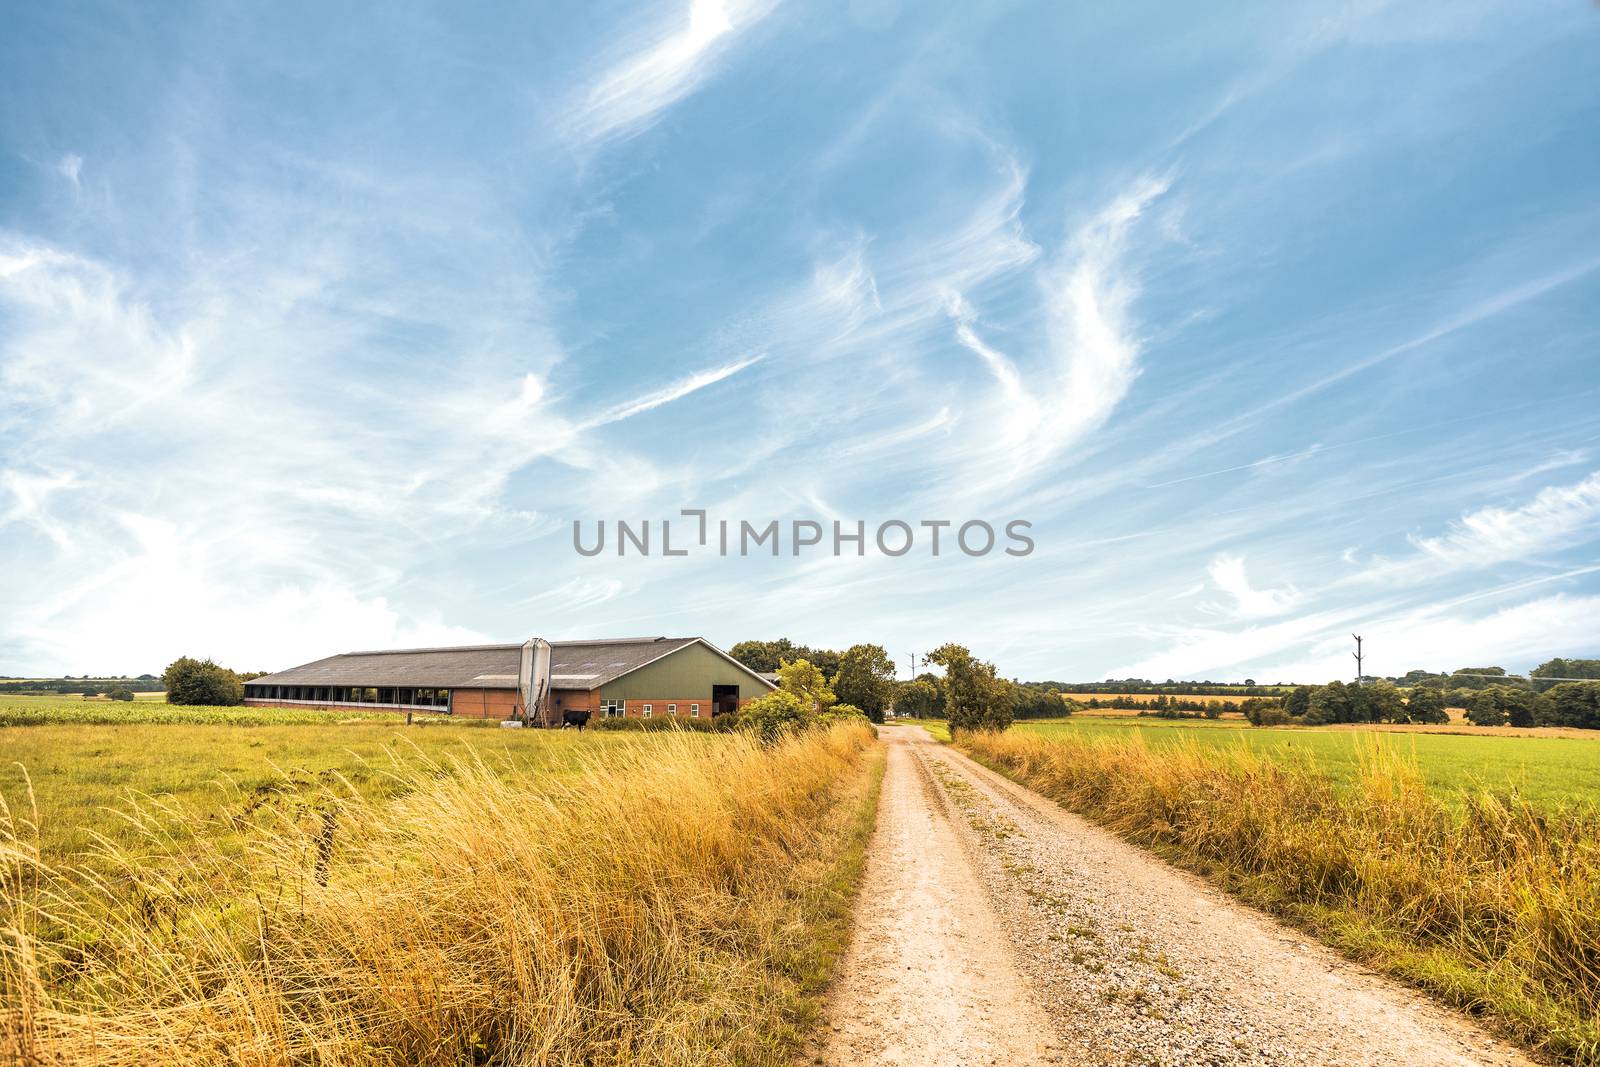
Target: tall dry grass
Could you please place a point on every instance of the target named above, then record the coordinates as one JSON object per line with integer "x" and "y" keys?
{"x": 667, "y": 900}
{"x": 1490, "y": 902}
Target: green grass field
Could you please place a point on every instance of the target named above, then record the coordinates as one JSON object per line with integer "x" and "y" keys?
{"x": 1545, "y": 770}
{"x": 86, "y": 760}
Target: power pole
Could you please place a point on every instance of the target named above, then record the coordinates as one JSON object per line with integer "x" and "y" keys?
{"x": 1359, "y": 672}
{"x": 913, "y": 666}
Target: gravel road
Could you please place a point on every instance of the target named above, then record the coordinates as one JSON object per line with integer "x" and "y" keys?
{"x": 997, "y": 928}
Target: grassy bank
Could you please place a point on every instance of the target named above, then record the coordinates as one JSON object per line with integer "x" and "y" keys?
{"x": 667, "y": 899}
{"x": 1489, "y": 901}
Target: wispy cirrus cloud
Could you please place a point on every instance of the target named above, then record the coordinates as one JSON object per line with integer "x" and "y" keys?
{"x": 677, "y": 390}
{"x": 659, "y": 65}
{"x": 1558, "y": 517}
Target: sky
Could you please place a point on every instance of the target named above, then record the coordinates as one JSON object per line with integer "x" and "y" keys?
{"x": 320, "y": 327}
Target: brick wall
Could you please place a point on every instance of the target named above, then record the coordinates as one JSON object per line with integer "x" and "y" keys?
{"x": 634, "y": 709}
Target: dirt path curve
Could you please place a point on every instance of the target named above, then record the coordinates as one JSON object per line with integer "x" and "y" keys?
{"x": 995, "y": 927}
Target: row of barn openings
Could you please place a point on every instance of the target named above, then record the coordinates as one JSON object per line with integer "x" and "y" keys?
{"x": 405, "y": 697}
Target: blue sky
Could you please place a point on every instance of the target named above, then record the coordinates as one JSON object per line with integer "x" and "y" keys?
{"x": 1278, "y": 322}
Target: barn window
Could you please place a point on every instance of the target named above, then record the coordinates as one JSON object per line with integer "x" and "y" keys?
{"x": 610, "y": 709}
{"x": 649, "y": 709}
{"x": 672, "y": 709}
{"x": 694, "y": 711}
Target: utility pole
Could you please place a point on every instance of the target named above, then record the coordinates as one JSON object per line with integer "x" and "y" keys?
{"x": 1357, "y": 654}
{"x": 913, "y": 666}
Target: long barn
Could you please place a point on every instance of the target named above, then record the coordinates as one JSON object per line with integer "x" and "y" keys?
{"x": 637, "y": 677}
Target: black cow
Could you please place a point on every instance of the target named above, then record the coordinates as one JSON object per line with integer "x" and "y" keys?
{"x": 580, "y": 719}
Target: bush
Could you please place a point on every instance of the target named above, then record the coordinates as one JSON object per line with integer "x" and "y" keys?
{"x": 202, "y": 683}
{"x": 778, "y": 713}
{"x": 1265, "y": 712}
{"x": 120, "y": 694}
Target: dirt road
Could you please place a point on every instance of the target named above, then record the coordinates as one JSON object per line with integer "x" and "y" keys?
{"x": 996, "y": 928}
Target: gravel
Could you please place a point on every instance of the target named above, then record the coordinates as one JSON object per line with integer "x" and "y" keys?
{"x": 996, "y": 927}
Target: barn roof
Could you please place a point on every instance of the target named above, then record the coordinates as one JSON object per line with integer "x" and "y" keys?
{"x": 574, "y": 665}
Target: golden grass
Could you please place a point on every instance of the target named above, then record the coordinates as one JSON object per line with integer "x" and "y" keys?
{"x": 679, "y": 900}
{"x": 1489, "y": 902}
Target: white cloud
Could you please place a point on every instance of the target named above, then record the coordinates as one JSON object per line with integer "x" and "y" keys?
{"x": 658, "y": 67}
{"x": 1558, "y": 517}
{"x": 1096, "y": 350}
{"x": 675, "y": 391}
{"x": 70, "y": 167}
{"x": 1228, "y": 574}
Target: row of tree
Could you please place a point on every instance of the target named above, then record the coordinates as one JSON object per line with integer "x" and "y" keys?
{"x": 1574, "y": 704}
{"x": 1542, "y": 678}
{"x": 862, "y": 676}
{"x": 1164, "y": 702}
{"x": 145, "y": 683}
{"x": 970, "y": 693}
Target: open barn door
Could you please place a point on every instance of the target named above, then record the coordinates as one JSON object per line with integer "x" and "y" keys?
{"x": 533, "y": 680}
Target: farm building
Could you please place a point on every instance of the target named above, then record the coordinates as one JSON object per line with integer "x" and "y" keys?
{"x": 638, "y": 677}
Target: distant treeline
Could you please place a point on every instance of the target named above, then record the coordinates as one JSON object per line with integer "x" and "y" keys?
{"x": 1571, "y": 704}
{"x": 1545, "y": 676}
{"x": 145, "y": 683}
{"x": 1175, "y": 707}
{"x": 1143, "y": 686}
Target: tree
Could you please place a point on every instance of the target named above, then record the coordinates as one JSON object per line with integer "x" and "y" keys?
{"x": 1329, "y": 703}
{"x": 1473, "y": 677}
{"x": 1033, "y": 703}
{"x": 768, "y": 656}
{"x": 120, "y": 694}
{"x": 1265, "y": 712}
{"x": 1574, "y": 704}
{"x": 1384, "y": 702}
{"x": 1485, "y": 708}
{"x": 807, "y": 682}
{"x": 201, "y": 682}
{"x": 975, "y": 697}
{"x": 1297, "y": 702}
{"x": 1563, "y": 668}
{"x": 1427, "y": 705}
{"x": 919, "y": 698}
{"x": 765, "y": 656}
{"x": 865, "y": 679}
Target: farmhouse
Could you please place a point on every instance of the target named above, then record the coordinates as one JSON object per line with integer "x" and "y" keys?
{"x": 637, "y": 677}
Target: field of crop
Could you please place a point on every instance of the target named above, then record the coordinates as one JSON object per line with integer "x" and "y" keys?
{"x": 1467, "y": 865}
{"x": 368, "y": 893}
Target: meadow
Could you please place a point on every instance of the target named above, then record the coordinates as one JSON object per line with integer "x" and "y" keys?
{"x": 1469, "y": 866}
{"x": 362, "y": 892}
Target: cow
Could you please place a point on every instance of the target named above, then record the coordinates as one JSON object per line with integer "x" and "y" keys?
{"x": 580, "y": 719}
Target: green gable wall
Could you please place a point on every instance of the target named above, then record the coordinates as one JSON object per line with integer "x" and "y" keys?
{"x": 687, "y": 674}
